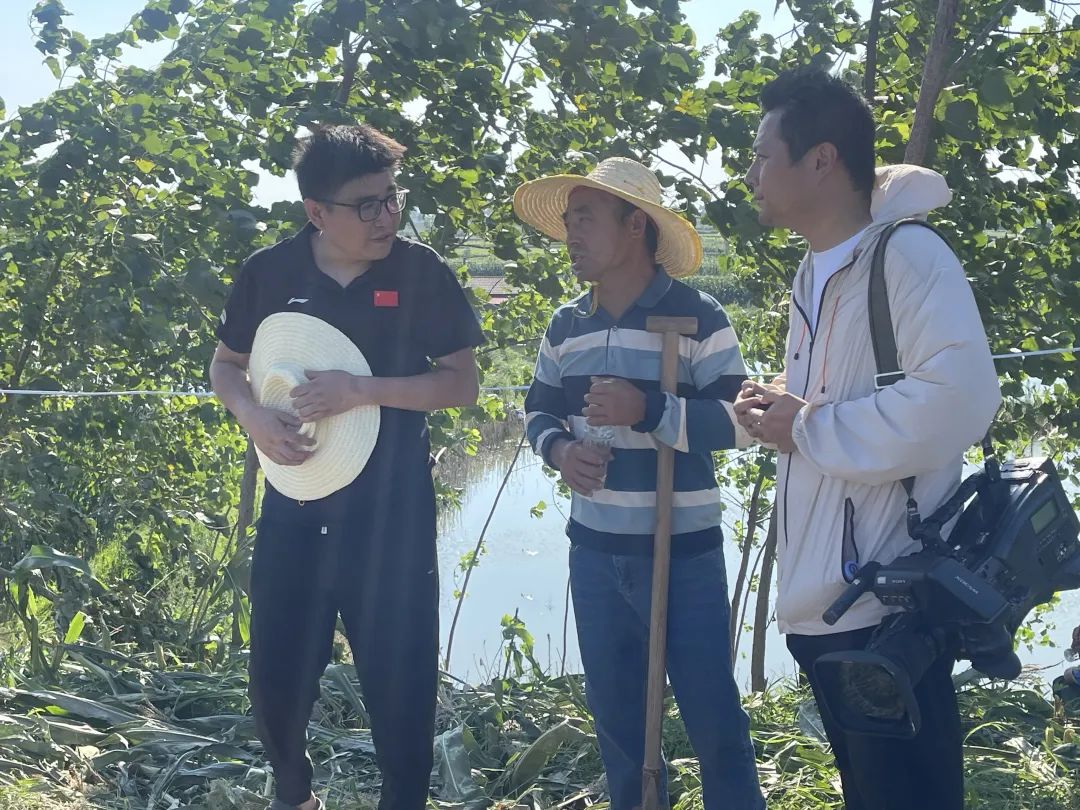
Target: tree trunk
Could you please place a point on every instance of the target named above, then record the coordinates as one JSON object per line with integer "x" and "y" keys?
{"x": 935, "y": 71}
{"x": 747, "y": 546}
{"x": 245, "y": 516}
{"x": 350, "y": 61}
{"x": 761, "y": 613}
{"x": 873, "y": 34}
{"x": 248, "y": 486}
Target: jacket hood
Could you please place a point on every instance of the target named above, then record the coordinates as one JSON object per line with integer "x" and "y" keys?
{"x": 903, "y": 191}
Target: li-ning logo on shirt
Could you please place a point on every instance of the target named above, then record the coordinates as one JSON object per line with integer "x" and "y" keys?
{"x": 298, "y": 301}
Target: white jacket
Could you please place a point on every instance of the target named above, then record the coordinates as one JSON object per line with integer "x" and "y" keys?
{"x": 855, "y": 442}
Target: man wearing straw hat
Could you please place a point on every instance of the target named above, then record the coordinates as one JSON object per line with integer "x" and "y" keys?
{"x": 599, "y": 366}
{"x": 349, "y": 334}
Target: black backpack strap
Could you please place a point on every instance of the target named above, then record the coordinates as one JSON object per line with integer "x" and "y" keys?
{"x": 882, "y": 335}
{"x": 883, "y": 338}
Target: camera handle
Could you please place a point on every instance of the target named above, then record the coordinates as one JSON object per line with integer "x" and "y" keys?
{"x": 991, "y": 464}
{"x": 862, "y": 583}
{"x": 928, "y": 532}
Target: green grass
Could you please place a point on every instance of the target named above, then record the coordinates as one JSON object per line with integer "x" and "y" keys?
{"x": 510, "y": 366}
{"x": 39, "y": 795}
{"x": 129, "y": 733}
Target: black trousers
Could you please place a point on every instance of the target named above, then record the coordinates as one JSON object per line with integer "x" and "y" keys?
{"x": 374, "y": 564}
{"x": 881, "y": 773}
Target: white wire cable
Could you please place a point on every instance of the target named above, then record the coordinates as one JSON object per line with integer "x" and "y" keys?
{"x": 36, "y": 392}
{"x": 201, "y": 394}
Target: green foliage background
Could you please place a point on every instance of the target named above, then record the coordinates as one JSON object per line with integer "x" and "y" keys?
{"x": 126, "y": 205}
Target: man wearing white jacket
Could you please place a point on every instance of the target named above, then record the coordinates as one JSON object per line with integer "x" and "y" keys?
{"x": 841, "y": 438}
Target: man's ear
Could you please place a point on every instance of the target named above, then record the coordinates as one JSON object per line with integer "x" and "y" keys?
{"x": 315, "y": 212}
{"x": 637, "y": 222}
{"x": 825, "y": 157}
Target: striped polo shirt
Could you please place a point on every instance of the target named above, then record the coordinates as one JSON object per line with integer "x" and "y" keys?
{"x": 697, "y": 420}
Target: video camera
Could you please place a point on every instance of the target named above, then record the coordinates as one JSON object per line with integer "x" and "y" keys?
{"x": 1013, "y": 547}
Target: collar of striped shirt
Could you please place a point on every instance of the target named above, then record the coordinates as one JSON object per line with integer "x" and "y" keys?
{"x": 652, "y": 295}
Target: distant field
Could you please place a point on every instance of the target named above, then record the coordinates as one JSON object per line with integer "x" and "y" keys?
{"x": 481, "y": 262}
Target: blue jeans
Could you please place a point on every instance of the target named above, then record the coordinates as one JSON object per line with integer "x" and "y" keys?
{"x": 612, "y": 597}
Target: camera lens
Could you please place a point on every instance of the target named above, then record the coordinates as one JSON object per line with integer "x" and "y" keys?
{"x": 870, "y": 690}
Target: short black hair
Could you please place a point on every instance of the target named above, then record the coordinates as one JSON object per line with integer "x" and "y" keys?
{"x": 652, "y": 238}
{"x": 334, "y": 155}
{"x": 816, "y": 108}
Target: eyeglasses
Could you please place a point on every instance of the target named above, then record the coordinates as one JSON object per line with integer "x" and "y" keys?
{"x": 370, "y": 210}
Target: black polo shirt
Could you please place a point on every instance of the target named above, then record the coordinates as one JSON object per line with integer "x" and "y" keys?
{"x": 405, "y": 310}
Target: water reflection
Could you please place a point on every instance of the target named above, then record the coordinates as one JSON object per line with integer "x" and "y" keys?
{"x": 524, "y": 569}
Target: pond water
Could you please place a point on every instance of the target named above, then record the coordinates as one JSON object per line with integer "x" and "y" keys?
{"x": 524, "y": 570}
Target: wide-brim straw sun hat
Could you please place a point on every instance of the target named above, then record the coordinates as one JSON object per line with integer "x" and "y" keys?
{"x": 541, "y": 204}
{"x": 286, "y": 345}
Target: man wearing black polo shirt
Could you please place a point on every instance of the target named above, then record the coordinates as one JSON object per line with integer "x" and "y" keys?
{"x": 366, "y": 551}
